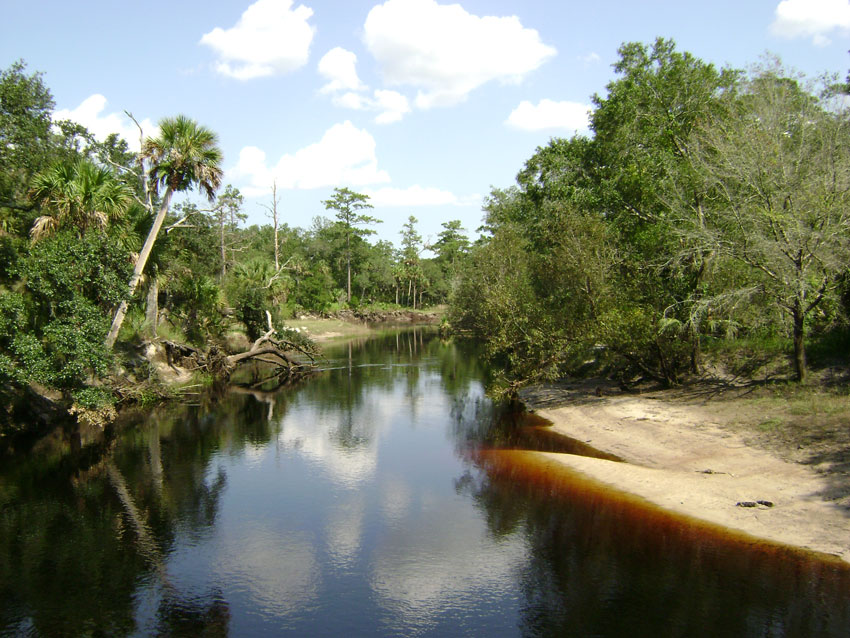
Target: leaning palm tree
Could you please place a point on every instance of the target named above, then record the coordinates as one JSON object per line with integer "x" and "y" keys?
{"x": 184, "y": 155}
{"x": 78, "y": 194}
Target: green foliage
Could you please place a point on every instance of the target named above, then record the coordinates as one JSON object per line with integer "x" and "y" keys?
{"x": 347, "y": 203}
{"x": 251, "y": 310}
{"x": 93, "y": 398}
{"x": 316, "y": 292}
{"x": 77, "y": 194}
{"x": 25, "y": 108}
{"x": 196, "y": 307}
{"x": 53, "y": 327}
{"x": 705, "y": 204}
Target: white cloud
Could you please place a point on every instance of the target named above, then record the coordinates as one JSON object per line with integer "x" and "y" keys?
{"x": 351, "y": 100}
{"x": 548, "y": 114}
{"x": 340, "y": 68}
{"x": 269, "y": 39}
{"x": 446, "y": 52}
{"x": 811, "y": 18}
{"x": 590, "y": 58}
{"x": 90, "y": 114}
{"x": 344, "y": 155}
{"x": 392, "y": 106}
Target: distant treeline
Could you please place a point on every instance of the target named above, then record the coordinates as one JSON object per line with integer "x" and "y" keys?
{"x": 90, "y": 239}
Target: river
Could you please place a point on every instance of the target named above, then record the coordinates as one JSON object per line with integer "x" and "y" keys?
{"x": 387, "y": 496}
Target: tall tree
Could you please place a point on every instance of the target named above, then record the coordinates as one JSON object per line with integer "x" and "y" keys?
{"x": 227, "y": 214}
{"x": 452, "y": 244}
{"x": 347, "y": 203}
{"x": 411, "y": 246}
{"x": 78, "y": 194}
{"x": 25, "y": 108}
{"x": 777, "y": 175}
{"x": 272, "y": 208}
{"x": 643, "y": 159}
{"x": 183, "y": 156}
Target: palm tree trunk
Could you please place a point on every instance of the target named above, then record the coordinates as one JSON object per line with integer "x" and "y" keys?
{"x": 152, "y": 306}
{"x": 121, "y": 312}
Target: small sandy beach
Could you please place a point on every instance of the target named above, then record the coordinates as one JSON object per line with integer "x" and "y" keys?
{"x": 681, "y": 454}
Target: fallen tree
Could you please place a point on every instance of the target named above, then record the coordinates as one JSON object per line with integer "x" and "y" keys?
{"x": 271, "y": 348}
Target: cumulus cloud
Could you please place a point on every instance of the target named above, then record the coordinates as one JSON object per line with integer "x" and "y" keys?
{"x": 548, "y": 114}
{"x": 811, "y": 18}
{"x": 344, "y": 155}
{"x": 445, "y": 52}
{"x": 391, "y": 105}
{"x": 90, "y": 114}
{"x": 270, "y": 38}
{"x": 339, "y": 67}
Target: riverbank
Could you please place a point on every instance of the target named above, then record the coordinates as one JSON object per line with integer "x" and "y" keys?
{"x": 741, "y": 458}
{"x": 357, "y": 323}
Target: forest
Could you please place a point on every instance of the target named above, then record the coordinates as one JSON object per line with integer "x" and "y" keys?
{"x": 97, "y": 260}
{"x": 708, "y": 211}
{"x": 707, "y": 207}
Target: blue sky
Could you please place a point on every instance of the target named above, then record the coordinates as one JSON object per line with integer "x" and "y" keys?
{"x": 422, "y": 104}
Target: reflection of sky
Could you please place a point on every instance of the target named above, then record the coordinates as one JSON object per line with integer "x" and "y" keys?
{"x": 310, "y": 436}
{"x": 428, "y": 567}
{"x": 344, "y": 531}
{"x": 349, "y": 514}
{"x": 276, "y": 568}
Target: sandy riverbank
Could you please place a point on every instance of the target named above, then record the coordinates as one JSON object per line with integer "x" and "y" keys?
{"x": 682, "y": 455}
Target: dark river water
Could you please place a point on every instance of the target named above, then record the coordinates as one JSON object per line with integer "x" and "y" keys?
{"x": 387, "y": 496}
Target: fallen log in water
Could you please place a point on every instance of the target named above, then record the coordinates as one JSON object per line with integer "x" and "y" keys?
{"x": 270, "y": 348}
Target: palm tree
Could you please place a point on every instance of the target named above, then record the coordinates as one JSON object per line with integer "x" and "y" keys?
{"x": 184, "y": 155}
{"x": 79, "y": 194}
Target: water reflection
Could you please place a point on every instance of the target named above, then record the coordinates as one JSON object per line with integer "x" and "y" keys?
{"x": 382, "y": 497}
{"x": 603, "y": 563}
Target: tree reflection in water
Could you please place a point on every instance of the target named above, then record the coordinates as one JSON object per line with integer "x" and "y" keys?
{"x": 606, "y": 564}
{"x": 259, "y": 507}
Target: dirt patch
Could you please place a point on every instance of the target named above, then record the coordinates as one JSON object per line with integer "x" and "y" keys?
{"x": 704, "y": 449}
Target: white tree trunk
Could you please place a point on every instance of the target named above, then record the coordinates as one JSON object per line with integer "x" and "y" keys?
{"x": 152, "y": 305}
{"x": 121, "y": 312}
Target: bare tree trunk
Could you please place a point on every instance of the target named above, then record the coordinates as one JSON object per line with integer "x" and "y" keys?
{"x": 152, "y": 305}
{"x": 222, "y": 245}
{"x": 274, "y": 217}
{"x": 799, "y": 343}
{"x": 348, "y": 264}
{"x": 121, "y": 312}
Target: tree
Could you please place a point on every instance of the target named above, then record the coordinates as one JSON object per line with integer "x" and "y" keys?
{"x": 346, "y": 203}
{"x": 645, "y": 180}
{"x": 25, "y": 109}
{"x": 451, "y": 247}
{"x": 79, "y": 194}
{"x": 184, "y": 155}
{"x": 275, "y": 223}
{"x": 452, "y": 243}
{"x": 52, "y": 324}
{"x": 777, "y": 177}
{"x": 227, "y": 214}
{"x": 411, "y": 246}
